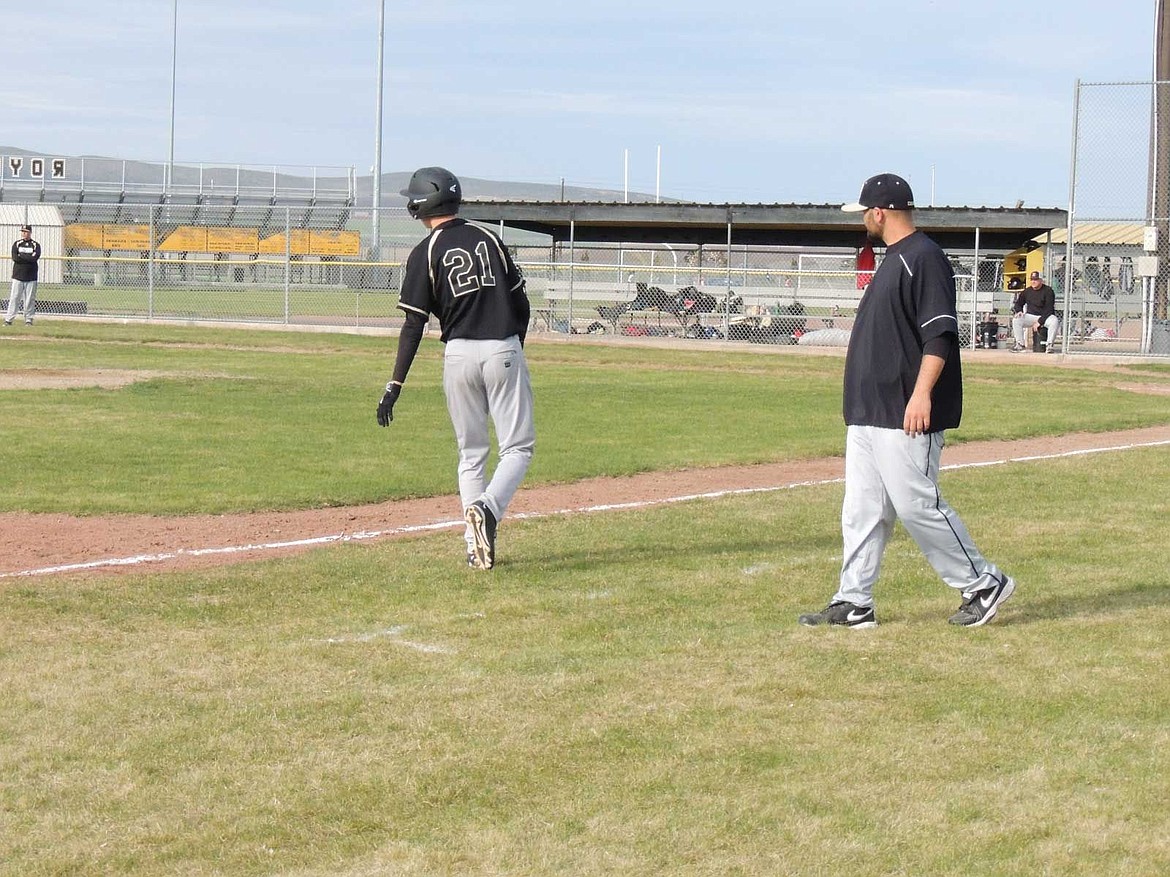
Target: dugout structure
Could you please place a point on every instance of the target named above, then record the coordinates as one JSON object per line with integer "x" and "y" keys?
{"x": 758, "y": 260}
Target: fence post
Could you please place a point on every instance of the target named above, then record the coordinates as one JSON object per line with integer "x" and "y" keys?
{"x": 572, "y": 266}
{"x": 975, "y": 293}
{"x": 727, "y": 295}
{"x": 287, "y": 257}
{"x": 150, "y": 272}
{"x": 1070, "y": 273}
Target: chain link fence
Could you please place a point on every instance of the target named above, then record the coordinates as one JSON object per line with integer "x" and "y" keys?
{"x": 224, "y": 252}
{"x": 1110, "y": 284}
{"x": 225, "y": 260}
{"x": 218, "y": 261}
{"x": 757, "y": 294}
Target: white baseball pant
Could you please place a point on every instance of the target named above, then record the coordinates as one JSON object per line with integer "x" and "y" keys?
{"x": 891, "y": 476}
{"x": 23, "y": 296}
{"x": 482, "y": 379}
{"x": 1024, "y": 322}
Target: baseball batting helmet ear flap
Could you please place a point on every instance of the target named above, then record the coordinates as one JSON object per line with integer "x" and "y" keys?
{"x": 433, "y": 191}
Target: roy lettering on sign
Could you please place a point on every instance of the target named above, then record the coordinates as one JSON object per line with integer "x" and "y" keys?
{"x": 37, "y": 167}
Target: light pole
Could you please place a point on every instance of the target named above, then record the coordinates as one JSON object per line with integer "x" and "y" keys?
{"x": 174, "y": 69}
{"x": 1160, "y": 153}
{"x": 376, "y": 228}
{"x": 658, "y": 175}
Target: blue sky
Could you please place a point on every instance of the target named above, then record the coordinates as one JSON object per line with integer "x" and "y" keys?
{"x": 749, "y": 100}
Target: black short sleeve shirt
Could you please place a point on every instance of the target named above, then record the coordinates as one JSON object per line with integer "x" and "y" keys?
{"x": 465, "y": 276}
{"x": 910, "y": 300}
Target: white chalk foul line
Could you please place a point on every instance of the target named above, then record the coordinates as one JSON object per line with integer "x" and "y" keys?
{"x": 364, "y": 536}
{"x": 308, "y": 542}
{"x": 394, "y": 635}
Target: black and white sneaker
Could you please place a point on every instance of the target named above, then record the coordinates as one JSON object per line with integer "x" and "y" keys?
{"x": 842, "y": 614}
{"x": 483, "y": 529}
{"x": 981, "y": 606}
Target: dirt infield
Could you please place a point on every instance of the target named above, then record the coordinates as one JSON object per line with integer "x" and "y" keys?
{"x": 38, "y": 543}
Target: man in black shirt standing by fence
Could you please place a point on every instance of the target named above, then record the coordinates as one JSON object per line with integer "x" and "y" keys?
{"x": 26, "y": 254}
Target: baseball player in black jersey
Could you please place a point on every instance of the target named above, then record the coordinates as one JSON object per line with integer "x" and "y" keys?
{"x": 26, "y": 254}
{"x": 903, "y": 389}
{"x": 462, "y": 274}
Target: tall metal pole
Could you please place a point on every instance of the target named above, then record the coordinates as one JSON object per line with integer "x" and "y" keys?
{"x": 1160, "y": 208}
{"x": 658, "y": 176}
{"x": 1070, "y": 273}
{"x": 174, "y": 71}
{"x": 974, "y": 278}
{"x": 376, "y": 228}
{"x": 626, "y": 176}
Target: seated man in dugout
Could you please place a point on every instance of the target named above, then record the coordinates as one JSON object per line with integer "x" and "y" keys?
{"x": 1035, "y": 306}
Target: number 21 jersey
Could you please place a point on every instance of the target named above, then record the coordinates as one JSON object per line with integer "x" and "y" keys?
{"x": 462, "y": 274}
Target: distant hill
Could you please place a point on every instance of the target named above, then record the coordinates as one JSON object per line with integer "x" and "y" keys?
{"x": 495, "y": 190}
{"x": 110, "y": 171}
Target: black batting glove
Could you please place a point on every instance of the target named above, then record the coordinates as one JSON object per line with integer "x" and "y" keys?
{"x": 386, "y": 406}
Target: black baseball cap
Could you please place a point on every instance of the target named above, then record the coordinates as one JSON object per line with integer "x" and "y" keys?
{"x": 888, "y": 191}
{"x": 27, "y": 228}
{"x": 1035, "y": 276}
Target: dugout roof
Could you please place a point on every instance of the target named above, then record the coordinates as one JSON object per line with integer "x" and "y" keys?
{"x": 797, "y": 225}
{"x": 1118, "y": 234}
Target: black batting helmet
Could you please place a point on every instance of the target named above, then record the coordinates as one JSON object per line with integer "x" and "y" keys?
{"x": 433, "y": 191}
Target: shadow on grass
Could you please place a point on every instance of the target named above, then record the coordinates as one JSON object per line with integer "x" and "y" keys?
{"x": 1023, "y": 608}
{"x": 686, "y": 552}
{"x": 1123, "y": 600}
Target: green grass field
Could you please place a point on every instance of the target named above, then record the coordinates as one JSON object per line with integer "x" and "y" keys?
{"x": 626, "y": 693}
{"x": 221, "y": 301}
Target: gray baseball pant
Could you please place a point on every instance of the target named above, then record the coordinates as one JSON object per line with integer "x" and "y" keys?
{"x": 890, "y": 476}
{"x": 1024, "y": 322}
{"x": 483, "y": 379}
{"x": 23, "y": 291}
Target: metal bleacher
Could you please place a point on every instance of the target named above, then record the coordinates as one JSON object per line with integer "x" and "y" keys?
{"x": 329, "y": 215}
{"x": 298, "y": 214}
{"x": 258, "y": 210}
{"x": 217, "y": 210}
{"x": 101, "y": 206}
{"x": 72, "y": 211}
{"x": 175, "y": 212}
{"x": 115, "y": 191}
